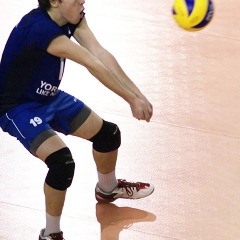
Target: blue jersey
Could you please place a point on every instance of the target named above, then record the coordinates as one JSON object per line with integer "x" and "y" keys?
{"x": 28, "y": 73}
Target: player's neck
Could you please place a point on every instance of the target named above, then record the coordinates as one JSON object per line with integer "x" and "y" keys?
{"x": 56, "y": 16}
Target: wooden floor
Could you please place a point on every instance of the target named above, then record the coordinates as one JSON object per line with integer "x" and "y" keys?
{"x": 190, "y": 150}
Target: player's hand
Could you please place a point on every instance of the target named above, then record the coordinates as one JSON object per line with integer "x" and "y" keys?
{"x": 142, "y": 109}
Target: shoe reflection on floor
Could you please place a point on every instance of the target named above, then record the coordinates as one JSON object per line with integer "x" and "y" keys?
{"x": 114, "y": 219}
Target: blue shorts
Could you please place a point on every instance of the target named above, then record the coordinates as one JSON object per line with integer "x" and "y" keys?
{"x": 32, "y": 123}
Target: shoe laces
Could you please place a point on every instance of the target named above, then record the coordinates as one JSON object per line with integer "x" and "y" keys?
{"x": 128, "y": 186}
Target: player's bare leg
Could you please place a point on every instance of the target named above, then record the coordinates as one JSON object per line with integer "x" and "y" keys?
{"x": 108, "y": 188}
{"x": 54, "y": 199}
{"x": 105, "y": 162}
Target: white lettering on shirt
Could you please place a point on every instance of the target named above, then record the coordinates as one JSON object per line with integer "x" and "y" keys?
{"x": 46, "y": 89}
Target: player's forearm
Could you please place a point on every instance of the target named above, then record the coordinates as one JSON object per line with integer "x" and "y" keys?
{"x": 111, "y": 63}
{"x": 98, "y": 70}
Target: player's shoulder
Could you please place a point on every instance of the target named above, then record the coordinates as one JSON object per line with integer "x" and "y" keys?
{"x": 37, "y": 13}
{"x": 36, "y": 17}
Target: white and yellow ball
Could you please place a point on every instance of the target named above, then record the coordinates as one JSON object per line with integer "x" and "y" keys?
{"x": 193, "y": 15}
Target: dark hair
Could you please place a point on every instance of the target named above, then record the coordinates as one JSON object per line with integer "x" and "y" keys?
{"x": 44, "y": 4}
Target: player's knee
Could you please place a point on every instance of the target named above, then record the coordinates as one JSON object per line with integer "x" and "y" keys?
{"x": 61, "y": 169}
{"x": 107, "y": 139}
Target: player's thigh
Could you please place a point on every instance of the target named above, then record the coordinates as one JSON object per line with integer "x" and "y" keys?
{"x": 90, "y": 127}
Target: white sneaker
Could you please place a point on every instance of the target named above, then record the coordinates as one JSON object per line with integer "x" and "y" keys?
{"x": 124, "y": 189}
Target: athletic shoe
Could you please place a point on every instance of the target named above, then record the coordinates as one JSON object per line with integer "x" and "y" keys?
{"x": 124, "y": 189}
{"x": 56, "y": 236}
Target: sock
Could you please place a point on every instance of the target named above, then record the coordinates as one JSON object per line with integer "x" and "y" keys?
{"x": 107, "y": 182}
{"x": 52, "y": 225}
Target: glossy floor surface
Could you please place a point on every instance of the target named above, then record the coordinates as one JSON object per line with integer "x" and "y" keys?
{"x": 189, "y": 151}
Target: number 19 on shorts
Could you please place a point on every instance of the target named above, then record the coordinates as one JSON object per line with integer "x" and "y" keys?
{"x": 36, "y": 121}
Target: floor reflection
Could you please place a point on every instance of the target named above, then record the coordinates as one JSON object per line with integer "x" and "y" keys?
{"x": 114, "y": 219}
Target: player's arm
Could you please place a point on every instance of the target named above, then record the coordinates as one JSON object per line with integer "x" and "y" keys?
{"x": 86, "y": 38}
{"x": 65, "y": 48}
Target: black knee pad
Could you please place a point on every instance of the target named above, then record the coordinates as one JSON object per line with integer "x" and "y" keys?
{"x": 61, "y": 169}
{"x": 107, "y": 139}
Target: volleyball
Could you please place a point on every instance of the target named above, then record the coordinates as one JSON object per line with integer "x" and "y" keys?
{"x": 193, "y": 15}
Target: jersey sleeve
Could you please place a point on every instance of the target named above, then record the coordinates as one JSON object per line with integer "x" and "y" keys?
{"x": 44, "y": 32}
